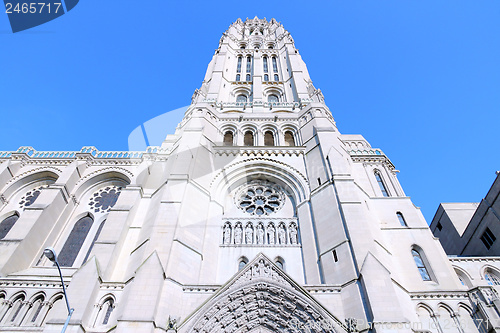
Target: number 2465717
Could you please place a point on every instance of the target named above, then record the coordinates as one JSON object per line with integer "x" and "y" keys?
{"x": 32, "y": 7}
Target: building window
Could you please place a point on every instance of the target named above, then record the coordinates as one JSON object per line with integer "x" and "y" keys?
{"x": 266, "y": 77}
{"x": 30, "y": 197}
{"x": 248, "y": 78}
{"x": 228, "y": 138}
{"x": 268, "y": 138}
{"x": 488, "y": 238}
{"x": 238, "y": 68}
{"x": 75, "y": 241}
{"x": 289, "y": 140}
{"x": 238, "y": 77}
{"x": 107, "y": 307}
{"x": 439, "y": 226}
{"x": 381, "y": 184}
{"x": 335, "y": 258}
{"x": 242, "y": 262}
{"x": 17, "y": 305}
{"x": 275, "y": 65}
{"x": 249, "y": 64}
{"x": 273, "y": 99}
{"x": 420, "y": 265}
{"x": 265, "y": 65}
{"x": 37, "y": 306}
{"x": 276, "y": 77}
{"x": 401, "y": 219}
{"x": 248, "y": 139}
{"x": 7, "y": 224}
{"x": 280, "y": 263}
{"x": 241, "y": 99}
{"x": 491, "y": 277}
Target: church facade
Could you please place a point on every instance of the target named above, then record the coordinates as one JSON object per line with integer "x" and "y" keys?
{"x": 257, "y": 215}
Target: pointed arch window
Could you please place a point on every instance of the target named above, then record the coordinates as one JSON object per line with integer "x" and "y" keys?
{"x": 275, "y": 65}
{"x": 238, "y": 77}
{"x": 424, "y": 273}
{"x": 75, "y": 241}
{"x": 276, "y": 77}
{"x": 249, "y": 64}
{"x": 248, "y": 139}
{"x": 268, "y": 138}
{"x": 7, "y": 224}
{"x": 37, "y": 308}
{"x": 17, "y": 305}
{"x": 266, "y": 77}
{"x": 238, "y": 68}
{"x": 265, "y": 65}
{"x": 108, "y": 307}
{"x": 491, "y": 277}
{"x": 248, "y": 78}
{"x": 280, "y": 262}
{"x": 401, "y": 219}
{"x": 289, "y": 139}
{"x": 381, "y": 184}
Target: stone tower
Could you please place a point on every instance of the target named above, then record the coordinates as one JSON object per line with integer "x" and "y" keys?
{"x": 257, "y": 215}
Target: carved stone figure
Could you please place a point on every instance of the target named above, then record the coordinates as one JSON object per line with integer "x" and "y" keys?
{"x": 282, "y": 234}
{"x": 249, "y": 234}
{"x": 238, "y": 232}
{"x": 260, "y": 234}
{"x": 227, "y": 234}
{"x": 293, "y": 234}
{"x": 271, "y": 233}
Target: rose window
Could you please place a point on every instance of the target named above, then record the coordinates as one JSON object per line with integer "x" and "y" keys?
{"x": 30, "y": 197}
{"x": 104, "y": 199}
{"x": 260, "y": 198}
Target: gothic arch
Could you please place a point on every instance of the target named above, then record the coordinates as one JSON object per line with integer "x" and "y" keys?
{"x": 260, "y": 296}
{"x": 244, "y": 171}
{"x": 19, "y": 182}
{"x": 460, "y": 271}
{"x": 102, "y": 175}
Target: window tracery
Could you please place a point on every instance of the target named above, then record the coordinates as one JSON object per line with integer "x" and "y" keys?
{"x": 260, "y": 198}
{"x": 104, "y": 199}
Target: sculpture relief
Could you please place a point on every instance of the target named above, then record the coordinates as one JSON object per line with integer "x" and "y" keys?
{"x": 257, "y": 233}
{"x": 238, "y": 234}
{"x": 249, "y": 234}
{"x": 227, "y": 234}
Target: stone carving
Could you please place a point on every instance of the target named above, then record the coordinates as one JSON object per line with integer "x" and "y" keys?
{"x": 238, "y": 234}
{"x": 255, "y": 233}
{"x": 271, "y": 233}
{"x": 281, "y": 234}
{"x": 227, "y": 234}
{"x": 266, "y": 300}
{"x": 249, "y": 234}
{"x": 104, "y": 199}
{"x": 260, "y": 234}
{"x": 293, "y": 233}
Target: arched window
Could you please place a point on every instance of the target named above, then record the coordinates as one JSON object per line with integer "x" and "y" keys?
{"x": 228, "y": 138}
{"x": 266, "y": 77}
{"x": 238, "y": 77}
{"x": 241, "y": 99}
{"x": 464, "y": 280}
{"x": 7, "y": 224}
{"x": 381, "y": 184}
{"x": 268, "y": 138}
{"x": 238, "y": 69}
{"x": 265, "y": 65}
{"x": 273, "y": 99}
{"x": 401, "y": 219}
{"x": 280, "y": 263}
{"x": 249, "y": 64}
{"x": 491, "y": 277}
{"x": 242, "y": 262}
{"x": 289, "y": 140}
{"x": 420, "y": 265}
{"x": 17, "y": 305}
{"x": 94, "y": 240}
{"x": 275, "y": 65}
{"x": 37, "y": 308}
{"x": 248, "y": 139}
{"x": 276, "y": 77}
{"x": 248, "y": 78}
{"x": 107, "y": 308}
{"x": 75, "y": 241}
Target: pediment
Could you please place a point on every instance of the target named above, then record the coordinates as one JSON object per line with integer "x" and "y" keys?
{"x": 261, "y": 298}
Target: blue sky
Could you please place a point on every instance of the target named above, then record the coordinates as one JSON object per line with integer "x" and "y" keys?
{"x": 419, "y": 79}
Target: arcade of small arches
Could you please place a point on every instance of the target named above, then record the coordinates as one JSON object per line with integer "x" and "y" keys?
{"x": 260, "y": 233}
{"x": 23, "y": 310}
{"x": 267, "y": 136}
